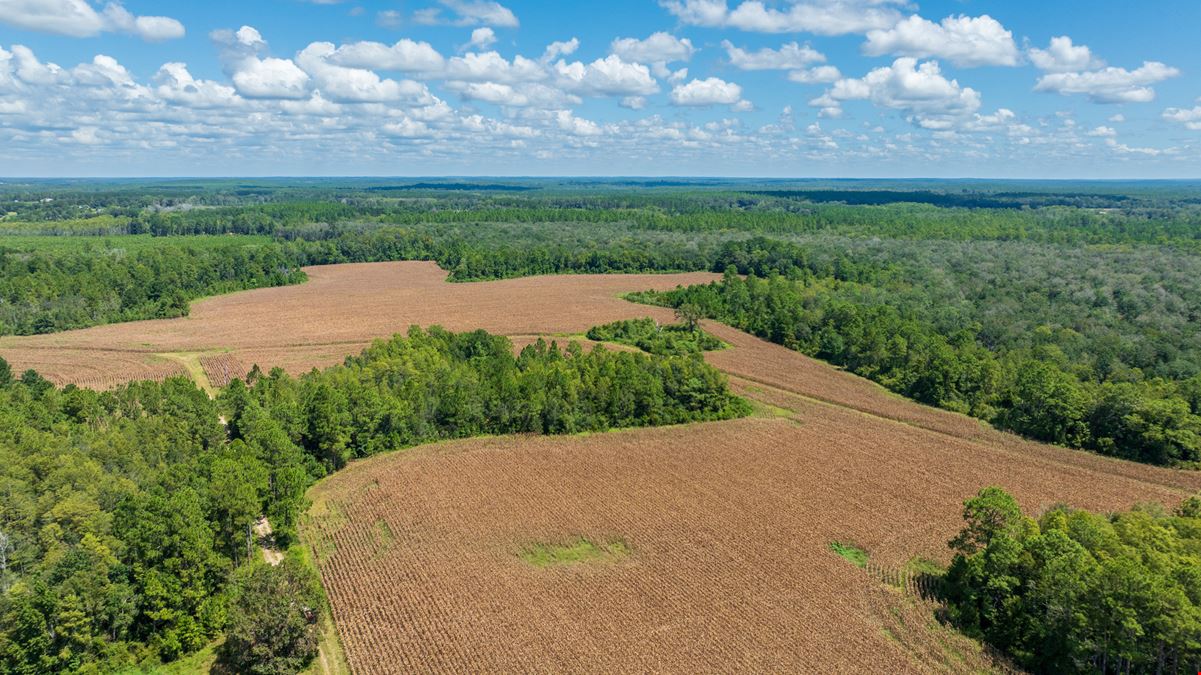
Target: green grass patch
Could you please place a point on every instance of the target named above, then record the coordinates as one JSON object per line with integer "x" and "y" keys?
{"x": 192, "y": 664}
{"x": 769, "y": 411}
{"x": 577, "y": 551}
{"x": 381, "y": 532}
{"x": 852, "y": 554}
{"x": 924, "y": 566}
{"x": 191, "y": 362}
{"x": 319, "y": 524}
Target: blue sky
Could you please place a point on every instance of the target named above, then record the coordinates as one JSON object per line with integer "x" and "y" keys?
{"x": 873, "y": 88}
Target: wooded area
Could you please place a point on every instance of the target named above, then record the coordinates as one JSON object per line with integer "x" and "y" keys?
{"x": 1080, "y": 592}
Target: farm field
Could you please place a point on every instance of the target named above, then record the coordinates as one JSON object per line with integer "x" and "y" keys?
{"x": 344, "y": 307}
{"x": 727, "y": 527}
{"x": 338, "y": 312}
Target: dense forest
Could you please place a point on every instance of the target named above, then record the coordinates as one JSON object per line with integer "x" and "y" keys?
{"x": 125, "y": 525}
{"x": 1077, "y": 592}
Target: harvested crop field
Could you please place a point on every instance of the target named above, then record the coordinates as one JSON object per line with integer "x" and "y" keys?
{"x": 727, "y": 527}
{"x": 342, "y": 308}
{"x": 338, "y": 312}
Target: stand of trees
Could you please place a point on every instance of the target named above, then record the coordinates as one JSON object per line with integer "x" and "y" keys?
{"x": 127, "y": 513}
{"x": 649, "y": 336}
{"x": 274, "y": 614}
{"x": 1076, "y": 592}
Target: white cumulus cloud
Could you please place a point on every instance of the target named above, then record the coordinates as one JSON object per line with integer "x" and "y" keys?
{"x": 492, "y": 67}
{"x": 271, "y": 78}
{"x": 355, "y": 85}
{"x": 30, "y": 70}
{"x": 657, "y": 48}
{"x": 817, "y": 75}
{"x": 1109, "y": 85}
{"x": 962, "y": 40}
{"x": 104, "y": 70}
{"x": 255, "y": 76}
{"x": 919, "y": 89}
{"x": 77, "y": 18}
{"x": 790, "y": 56}
{"x": 560, "y": 48}
{"x": 709, "y": 91}
{"x": 610, "y": 76}
{"x": 493, "y": 92}
{"x": 1061, "y": 56}
{"x": 577, "y": 126}
{"x": 1189, "y": 117}
{"x": 149, "y": 28}
{"x": 823, "y": 17}
{"x": 176, "y": 85}
{"x": 481, "y": 38}
{"x": 405, "y": 55}
{"x": 408, "y": 128}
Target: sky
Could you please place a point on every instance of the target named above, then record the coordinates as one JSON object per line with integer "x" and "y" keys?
{"x": 765, "y": 88}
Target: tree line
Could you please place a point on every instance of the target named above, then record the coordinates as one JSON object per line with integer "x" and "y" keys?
{"x": 49, "y": 291}
{"x": 97, "y": 281}
{"x": 1139, "y": 216}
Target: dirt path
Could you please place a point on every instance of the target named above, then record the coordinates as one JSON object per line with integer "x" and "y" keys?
{"x": 263, "y": 533}
{"x": 191, "y": 362}
{"x": 266, "y": 539}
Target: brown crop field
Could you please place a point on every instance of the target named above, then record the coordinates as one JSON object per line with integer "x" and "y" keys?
{"x": 727, "y": 525}
{"x": 338, "y": 312}
{"x": 722, "y": 529}
{"x": 344, "y": 307}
